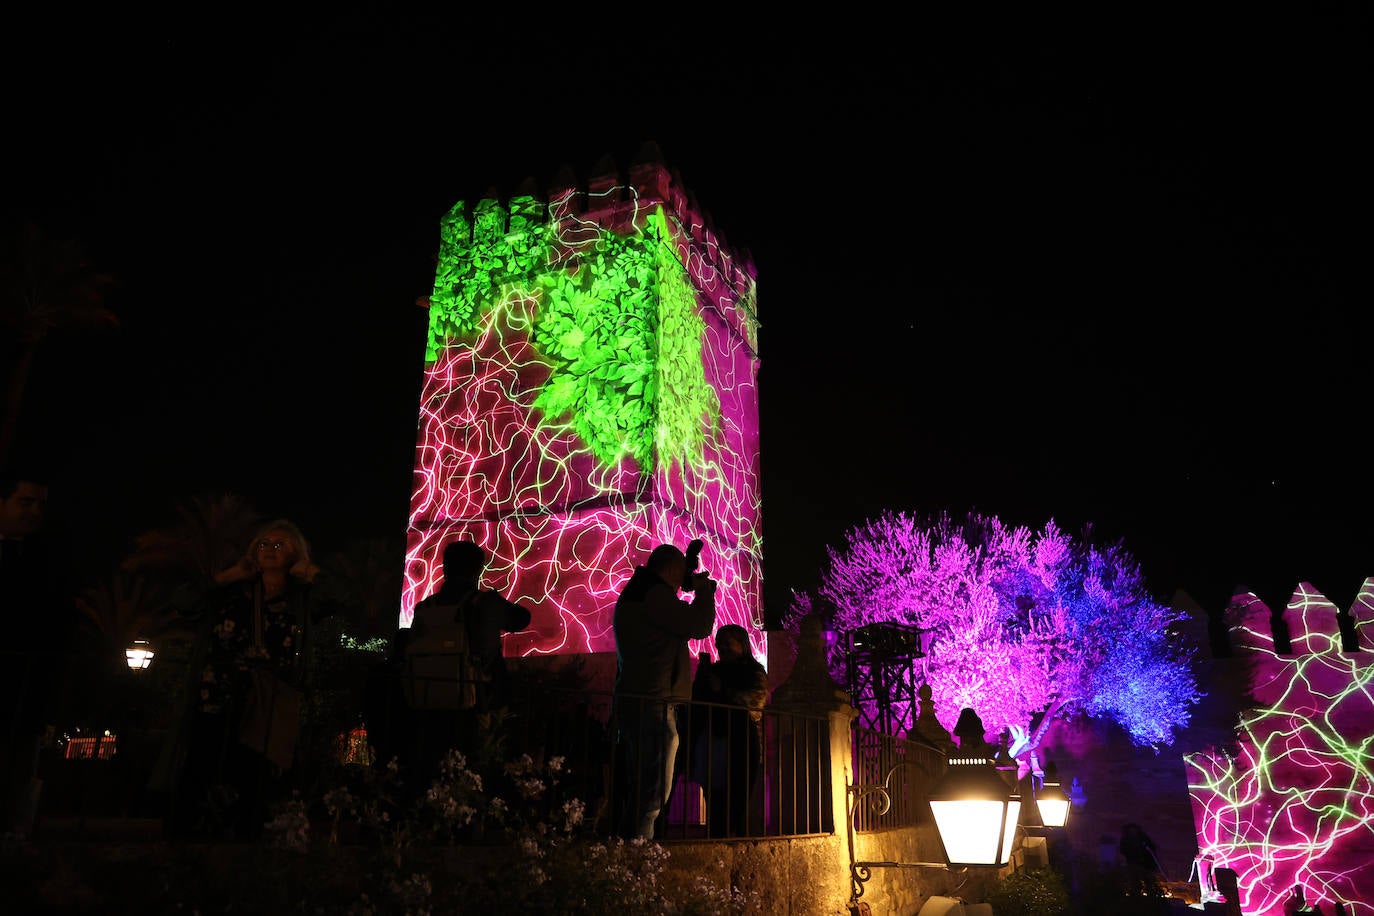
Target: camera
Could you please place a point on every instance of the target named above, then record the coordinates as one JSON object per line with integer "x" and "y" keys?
{"x": 693, "y": 562}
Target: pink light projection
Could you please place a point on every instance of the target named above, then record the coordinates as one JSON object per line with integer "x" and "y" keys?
{"x": 1295, "y": 804}
{"x": 564, "y": 525}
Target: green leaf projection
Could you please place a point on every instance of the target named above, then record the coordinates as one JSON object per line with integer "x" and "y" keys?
{"x": 597, "y": 330}
{"x": 620, "y": 330}
{"x": 685, "y": 396}
{"x": 480, "y": 262}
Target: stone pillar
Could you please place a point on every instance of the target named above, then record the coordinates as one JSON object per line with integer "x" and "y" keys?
{"x": 928, "y": 728}
{"x": 810, "y": 752}
{"x": 1360, "y": 620}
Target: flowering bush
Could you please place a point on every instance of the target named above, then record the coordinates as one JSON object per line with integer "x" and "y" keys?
{"x": 289, "y": 827}
{"x": 542, "y": 852}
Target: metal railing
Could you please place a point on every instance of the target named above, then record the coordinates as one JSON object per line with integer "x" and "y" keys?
{"x": 898, "y": 772}
{"x": 721, "y": 789}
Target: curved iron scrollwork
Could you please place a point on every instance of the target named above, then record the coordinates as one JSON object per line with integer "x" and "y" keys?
{"x": 860, "y": 873}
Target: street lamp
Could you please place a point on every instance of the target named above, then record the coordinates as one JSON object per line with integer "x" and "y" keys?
{"x": 1054, "y": 805}
{"x": 975, "y": 810}
{"x": 139, "y": 655}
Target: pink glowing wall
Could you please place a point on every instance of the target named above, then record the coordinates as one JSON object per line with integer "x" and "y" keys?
{"x": 1292, "y": 802}
{"x": 564, "y": 529}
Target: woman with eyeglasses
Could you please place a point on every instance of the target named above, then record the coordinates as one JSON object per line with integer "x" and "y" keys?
{"x": 245, "y": 721}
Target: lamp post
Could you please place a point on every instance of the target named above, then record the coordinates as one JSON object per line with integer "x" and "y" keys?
{"x": 1050, "y": 813}
{"x": 975, "y": 811}
{"x": 139, "y": 655}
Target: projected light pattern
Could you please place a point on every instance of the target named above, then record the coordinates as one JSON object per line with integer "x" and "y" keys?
{"x": 590, "y": 392}
{"x": 1295, "y": 805}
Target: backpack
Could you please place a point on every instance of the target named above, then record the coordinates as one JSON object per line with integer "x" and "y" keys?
{"x": 440, "y": 668}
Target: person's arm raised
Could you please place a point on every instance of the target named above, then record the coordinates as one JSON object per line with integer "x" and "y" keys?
{"x": 243, "y": 569}
{"x": 514, "y": 617}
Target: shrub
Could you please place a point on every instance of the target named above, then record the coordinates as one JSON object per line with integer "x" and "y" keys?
{"x": 1037, "y": 892}
{"x": 548, "y": 857}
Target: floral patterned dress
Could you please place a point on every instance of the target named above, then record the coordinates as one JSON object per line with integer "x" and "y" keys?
{"x": 233, "y": 650}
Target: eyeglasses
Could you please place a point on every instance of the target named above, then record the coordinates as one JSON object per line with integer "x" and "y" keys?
{"x": 265, "y": 544}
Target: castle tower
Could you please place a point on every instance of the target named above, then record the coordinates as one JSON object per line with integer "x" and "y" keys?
{"x": 590, "y": 390}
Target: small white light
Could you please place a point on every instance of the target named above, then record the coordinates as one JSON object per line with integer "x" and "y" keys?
{"x": 1053, "y": 804}
{"x": 1051, "y": 799}
{"x": 139, "y": 655}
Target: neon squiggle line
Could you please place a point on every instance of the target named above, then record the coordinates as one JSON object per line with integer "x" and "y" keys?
{"x": 1295, "y": 804}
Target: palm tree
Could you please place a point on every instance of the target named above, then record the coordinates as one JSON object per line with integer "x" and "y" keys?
{"x": 46, "y": 286}
{"x": 124, "y": 608}
{"x": 211, "y": 533}
{"x": 367, "y": 576}
{"x": 161, "y": 579}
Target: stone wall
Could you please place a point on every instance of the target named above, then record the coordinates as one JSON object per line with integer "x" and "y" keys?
{"x": 1124, "y": 784}
{"x": 900, "y": 890}
{"x": 792, "y": 876}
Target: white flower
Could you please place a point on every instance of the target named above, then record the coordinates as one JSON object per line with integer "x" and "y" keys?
{"x": 574, "y": 811}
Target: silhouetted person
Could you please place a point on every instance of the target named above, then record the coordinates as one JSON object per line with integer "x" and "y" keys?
{"x": 727, "y": 744}
{"x": 484, "y": 615}
{"x": 653, "y": 677}
{"x": 40, "y": 625}
{"x": 488, "y": 615}
{"x": 1138, "y": 852}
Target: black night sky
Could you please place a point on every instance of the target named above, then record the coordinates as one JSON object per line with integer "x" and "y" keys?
{"x": 1109, "y": 269}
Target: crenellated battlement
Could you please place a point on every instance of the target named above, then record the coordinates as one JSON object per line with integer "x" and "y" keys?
{"x": 1307, "y": 622}
{"x": 610, "y": 200}
{"x": 1278, "y": 769}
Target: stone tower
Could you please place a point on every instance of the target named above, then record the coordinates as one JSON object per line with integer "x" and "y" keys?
{"x": 590, "y": 390}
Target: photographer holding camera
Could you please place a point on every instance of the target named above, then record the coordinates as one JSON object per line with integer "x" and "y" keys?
{"x": 654, "y": 676}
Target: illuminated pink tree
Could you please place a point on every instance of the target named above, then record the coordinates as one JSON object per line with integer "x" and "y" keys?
{"x": 1025, "y": 627}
